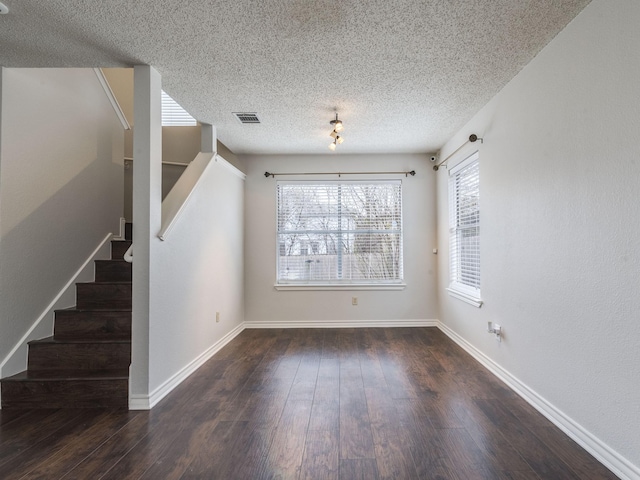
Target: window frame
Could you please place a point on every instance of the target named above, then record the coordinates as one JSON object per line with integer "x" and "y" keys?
{"x": 335, "y": 284}
{"x": 458, "y": 289}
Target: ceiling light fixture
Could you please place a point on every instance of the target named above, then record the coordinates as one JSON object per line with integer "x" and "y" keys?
{"x": 337, "y": 138}
{"x": 3, "y": 9}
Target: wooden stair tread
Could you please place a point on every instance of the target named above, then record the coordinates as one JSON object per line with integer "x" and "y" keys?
{"x": 101, "y": 341}
{"x": 75, "y": 309}
{"x": 99, "y": 310}
{"x": 85, "y": 364}
{"x": 102, "y": 310}
{"x": 55, "y": 375}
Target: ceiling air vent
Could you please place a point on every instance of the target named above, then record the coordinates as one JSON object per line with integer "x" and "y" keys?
{"x": 247, "y": 117}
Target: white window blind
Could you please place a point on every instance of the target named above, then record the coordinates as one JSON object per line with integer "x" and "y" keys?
{"x": 173, "y": 115}
{"x": 339, "y": 232}
{"x": 464, "y": 205}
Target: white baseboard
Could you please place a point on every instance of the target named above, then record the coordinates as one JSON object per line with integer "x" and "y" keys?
{"x": 146, "y": 402}
{"x": 121, "y": 235}
{"x": 600, "y": 450}
{"x": 16, "y": 359}
{"x": 342, "y": 324}
{"x": 139, "y": 402}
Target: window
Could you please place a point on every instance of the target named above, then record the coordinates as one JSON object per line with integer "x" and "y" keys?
{"x": 464, "y": 230}
{"x": 339, "y": 233}
{"x": 173, "y": 115}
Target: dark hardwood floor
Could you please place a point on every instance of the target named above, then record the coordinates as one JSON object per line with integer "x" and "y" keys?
{"x": 373, "y": 403}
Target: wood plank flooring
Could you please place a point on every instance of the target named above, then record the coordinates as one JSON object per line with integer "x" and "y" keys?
{"x": 403, "y": 403}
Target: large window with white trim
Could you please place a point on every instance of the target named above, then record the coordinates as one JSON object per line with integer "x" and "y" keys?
{"x": 339, "y": 232}
{"x": 464, "y": 230}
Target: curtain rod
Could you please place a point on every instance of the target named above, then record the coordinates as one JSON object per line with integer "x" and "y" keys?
{"x": 472, "y": 138}
{"x": 406, "y": 174}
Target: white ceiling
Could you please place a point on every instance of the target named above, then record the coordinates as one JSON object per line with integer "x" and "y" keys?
{"x": 404, "y": 75}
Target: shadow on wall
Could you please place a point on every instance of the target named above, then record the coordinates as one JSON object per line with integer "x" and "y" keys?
{"x": 42, "y": 252}
{"x": 179, "y": 145}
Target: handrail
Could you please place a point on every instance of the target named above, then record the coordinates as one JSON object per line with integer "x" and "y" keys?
{"x": 176, "y": 200}
{"x": 177, "y": 164}
{"x": 128, "y": 255}
{"x": 112, "y": 98}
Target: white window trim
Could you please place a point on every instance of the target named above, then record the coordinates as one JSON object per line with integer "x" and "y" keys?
{"x": 456, "y": 292}
{"x": 390, "y": 286}
{"x": 464, "y": 163}
{"x": 344, "y": 286}
{"x": 455, "y": 289}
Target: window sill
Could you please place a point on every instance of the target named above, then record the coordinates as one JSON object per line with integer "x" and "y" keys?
{"x": 465, "y": 297}
{"x": 346, "y": 286}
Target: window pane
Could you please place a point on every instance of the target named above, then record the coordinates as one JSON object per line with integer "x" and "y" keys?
{"x": 173, "y": 115}
{"x": 339, "y": 232}
{"x": 464, "y": 188}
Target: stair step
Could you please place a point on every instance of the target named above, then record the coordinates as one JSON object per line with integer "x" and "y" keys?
{"x": 76, "y": 354}
{"x": 113, "y": 271}
{"x": 53, "y": 375}
{"x": 118, "y": 248}
{"x": 66, "y": 389}
{"x": 97, "y": 324}
{"x": 103, "y": 295}
{"x": 86, "y": 363}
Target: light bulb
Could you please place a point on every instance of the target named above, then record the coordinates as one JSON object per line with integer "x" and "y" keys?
{"x": 333, "y": 134}
{"x": 338, "y": 126}
{"x": 332, "y": 146}
{"x": 339, "y": 139}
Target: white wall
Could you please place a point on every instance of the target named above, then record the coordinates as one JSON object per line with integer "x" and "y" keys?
{"x": 60, "y": 188}
{"x": 181, "y": 145}
{"x": 231, "y": 157}
{"x": 560, "y": 176}
{"x": 416, "y": 302}
{"x": 180, "y": 283}
{"x": 197, "y": 272}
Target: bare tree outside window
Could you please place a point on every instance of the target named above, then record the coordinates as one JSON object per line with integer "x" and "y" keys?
{"x": 339, "y": 232}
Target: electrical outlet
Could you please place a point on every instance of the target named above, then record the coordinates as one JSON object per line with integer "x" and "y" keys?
{"x": 354, "y": 301}
{"x": 496, "y": 330}
{"x": 217, "y": 317}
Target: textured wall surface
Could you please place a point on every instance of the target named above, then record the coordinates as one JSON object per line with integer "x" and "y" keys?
{"x": 60, "y": 187}
{"x": 416, "y": 302}
{"x": 560, "y": 175}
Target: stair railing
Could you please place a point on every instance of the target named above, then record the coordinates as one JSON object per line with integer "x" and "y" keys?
{"x": 112, "y": 98}
{"x": 176, "y": 200}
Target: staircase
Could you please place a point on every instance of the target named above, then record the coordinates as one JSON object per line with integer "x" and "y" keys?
{"x": 85, "y": 364}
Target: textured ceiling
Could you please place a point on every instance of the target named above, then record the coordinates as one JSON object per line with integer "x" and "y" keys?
{"x": 404, "y": 75}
